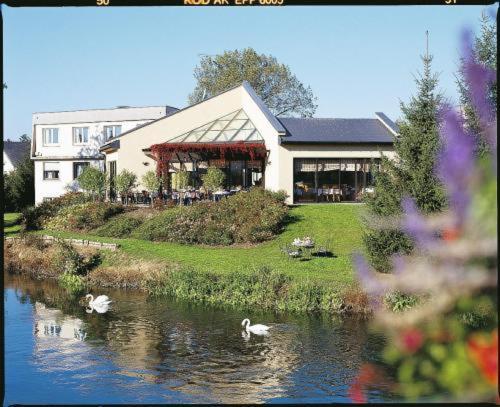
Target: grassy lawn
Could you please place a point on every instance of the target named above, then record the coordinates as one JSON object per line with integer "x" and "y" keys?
{"x": 338, "y": 223}
{"x": 11, "y": 224}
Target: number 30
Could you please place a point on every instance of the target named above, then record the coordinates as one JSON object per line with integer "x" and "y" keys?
{"x": 103, "y": 2}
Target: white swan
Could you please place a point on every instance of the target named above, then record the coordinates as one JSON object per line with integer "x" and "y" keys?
{"x": 100, "y": 309}
{"x": 257, "y": 329}
{"x": 99, "y": 301}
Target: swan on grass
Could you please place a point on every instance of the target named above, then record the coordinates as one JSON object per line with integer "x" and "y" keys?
{"x": 99, "y": 301}
{"x": 257, "y": 329}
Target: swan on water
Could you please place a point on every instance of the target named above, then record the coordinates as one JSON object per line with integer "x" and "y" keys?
{"x": 258, "y": 329}
{"x": 100, "y": 309}
{"x": 99, "y": 301}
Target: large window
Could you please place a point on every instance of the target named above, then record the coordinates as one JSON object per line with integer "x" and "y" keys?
{"x": 50, "y": 136}
{"x": 78, "y": 168}
{"x": 112, "y": 131}
{"x": 80, "y": 135}
{"x": 51, "y": 170}
{"x": 332, "y": 180}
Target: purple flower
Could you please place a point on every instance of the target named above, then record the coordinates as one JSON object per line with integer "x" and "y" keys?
{"x": 414, "y": 224}
{"x": 372, "y": 285}
{"x": 456, "y": 163}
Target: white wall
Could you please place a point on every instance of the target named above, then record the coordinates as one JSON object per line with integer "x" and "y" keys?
{"x": 52, "y": 188}
{"x": 66, "y": 152}
{"x": 7, "y": 164}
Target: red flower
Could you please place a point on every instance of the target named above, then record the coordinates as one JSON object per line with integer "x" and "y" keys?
{"x": 411, "y": 340}
{"x": 366, "y": 375}
{"x": 451, "y": 234}
{"x": 484, "y": 352}
{"x": 356, "y": 393}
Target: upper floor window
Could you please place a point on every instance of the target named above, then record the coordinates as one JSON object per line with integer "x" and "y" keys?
{"x": 50, "y": 136}
{"x": 50, "y": 170}
{"x": 80, "y": 135}
{"x": 112, "y": 131}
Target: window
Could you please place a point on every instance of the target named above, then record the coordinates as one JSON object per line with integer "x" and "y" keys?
{"x": 80, "y": 135}
{"x": 112, "y": 131}
{"x": 50, "y": 136}
{"x": 333, "y": 179}
{"x": 78, "y": 169}
{"x": 50, "y": 170}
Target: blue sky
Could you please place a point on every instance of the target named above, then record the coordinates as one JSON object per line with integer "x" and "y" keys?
{"x": 357, "y": 60}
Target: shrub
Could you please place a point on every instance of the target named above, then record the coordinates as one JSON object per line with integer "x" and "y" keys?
{"x": 119, "y": 226}
{"x": 72, "y": 282}
{"x": 68, "y": 260}
{"x": 93, "y": 181}
{"x": 125, "y": 181}
{"x": 398, "y": 301}
{"x": 85, "y": 216}
{"x": 213, "y": 179}
{"x": 180, "y": 179}
{"x": 243, "y": 218}
{"x": 33, "y": 217}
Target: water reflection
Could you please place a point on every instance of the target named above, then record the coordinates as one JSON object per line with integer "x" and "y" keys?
{"x": 166, "y": 351}
{"x": 52, "y": 322}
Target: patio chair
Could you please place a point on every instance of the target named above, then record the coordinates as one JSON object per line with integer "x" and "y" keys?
{"x": 291, "y": 252}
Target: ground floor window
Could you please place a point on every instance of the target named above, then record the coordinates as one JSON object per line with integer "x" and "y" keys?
{"x": 332, "y": 179}
{"x": 78, "y": 168}
{"x": 50, "y": 170}
{"x": 112, "y": 177}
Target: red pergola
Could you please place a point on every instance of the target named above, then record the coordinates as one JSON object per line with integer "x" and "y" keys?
{"x": 239, "y": 150}
{"x": 229, "y": 150}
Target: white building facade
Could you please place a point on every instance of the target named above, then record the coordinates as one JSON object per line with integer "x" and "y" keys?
{"x": 64, "y": 143}
{"x": 311, "y": 159}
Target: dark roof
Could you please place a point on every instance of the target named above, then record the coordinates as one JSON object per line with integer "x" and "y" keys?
{"x": 312, "y": 130}
{"x": 16, "y": 150}
{"x": 264, "y": 109}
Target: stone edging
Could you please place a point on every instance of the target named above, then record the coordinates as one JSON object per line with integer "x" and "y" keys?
{"x": 76, "y": 242}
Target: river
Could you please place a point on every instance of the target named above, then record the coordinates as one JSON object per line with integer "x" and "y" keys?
{"x": 150, "y": 350}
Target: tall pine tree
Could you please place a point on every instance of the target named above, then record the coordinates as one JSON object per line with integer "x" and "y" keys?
{"x": 485, "y": 52}
{"x": 410, "y": 174}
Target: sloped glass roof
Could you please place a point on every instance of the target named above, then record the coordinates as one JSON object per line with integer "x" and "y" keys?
{"x": 235, "y": 126}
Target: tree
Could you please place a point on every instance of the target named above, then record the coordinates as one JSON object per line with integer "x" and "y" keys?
{"x": 410, "y": 174}
{"x": 213, "y": 179}
{"x": 180, "y": 179}
{"x": 19, "y": 185}
{"x": 25, "y": 138}
{"x": 151, "y": 182}
{"x": 92, "y": 181}
{"x": 274, "y": 82}
{"x": 485, "y": 52}
{"x": 125, "y": 182}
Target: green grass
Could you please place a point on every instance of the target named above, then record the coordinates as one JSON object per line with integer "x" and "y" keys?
{"x": 338, "y": 222}
{"x": 11, "y": 224}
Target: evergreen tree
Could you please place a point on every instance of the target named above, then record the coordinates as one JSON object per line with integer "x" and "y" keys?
{"x": 485, "y": 52}
{"x": 19, "y": 186}
{"x": 410, "y": 174}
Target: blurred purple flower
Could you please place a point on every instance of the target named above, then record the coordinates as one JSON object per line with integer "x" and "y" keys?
{"x": 456, "y": 163}
{"x": 372, "y": 285}
{"x": 414, "y": 224}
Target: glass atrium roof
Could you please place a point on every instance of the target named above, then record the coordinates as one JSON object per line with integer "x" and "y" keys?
{"x": 235, "y": 126}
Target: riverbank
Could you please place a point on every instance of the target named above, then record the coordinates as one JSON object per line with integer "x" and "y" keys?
{"x": 240, "y": 276}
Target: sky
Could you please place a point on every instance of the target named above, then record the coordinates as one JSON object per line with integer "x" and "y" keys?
{"x": 357, "y": 60}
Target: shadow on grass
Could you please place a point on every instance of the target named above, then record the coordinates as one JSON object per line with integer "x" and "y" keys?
{"x": 328, "y": 254}
{"x": 292, "y": 218}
